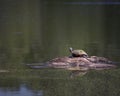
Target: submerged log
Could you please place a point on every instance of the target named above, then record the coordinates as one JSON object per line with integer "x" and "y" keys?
{"x": 76, "y": 63}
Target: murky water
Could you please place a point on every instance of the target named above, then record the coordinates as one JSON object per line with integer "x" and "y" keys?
{"x": 36, "y": 31}
{"x": 21, "y": 91}
{"x": 57, "y": 83}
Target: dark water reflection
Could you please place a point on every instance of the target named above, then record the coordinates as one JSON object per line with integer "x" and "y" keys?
{"x": 105, "y": 83}
{"x": 39, "y": 30}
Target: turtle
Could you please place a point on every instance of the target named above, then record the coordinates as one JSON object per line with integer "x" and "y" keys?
{"x": 78, "y": 53}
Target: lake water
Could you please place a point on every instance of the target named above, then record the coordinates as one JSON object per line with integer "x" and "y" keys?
{"x": 36, "y": 31}
{"x": 51, "y": 82}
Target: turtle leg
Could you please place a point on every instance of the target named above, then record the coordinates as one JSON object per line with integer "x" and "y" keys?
{"x": 70, "y": 56}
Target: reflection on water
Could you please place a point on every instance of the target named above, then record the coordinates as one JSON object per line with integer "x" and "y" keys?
{"x": 77, "y": 73}
{"x": 22, "y": 91}
{"x": 58, "y": 83}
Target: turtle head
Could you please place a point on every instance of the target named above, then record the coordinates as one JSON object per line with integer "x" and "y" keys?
{"x": 70, "y": 49}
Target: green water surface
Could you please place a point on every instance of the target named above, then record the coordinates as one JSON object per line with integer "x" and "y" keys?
{"x": 39, "y": 30}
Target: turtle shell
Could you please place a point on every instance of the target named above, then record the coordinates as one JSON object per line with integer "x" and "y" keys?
{"x": 79, "y": 53}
